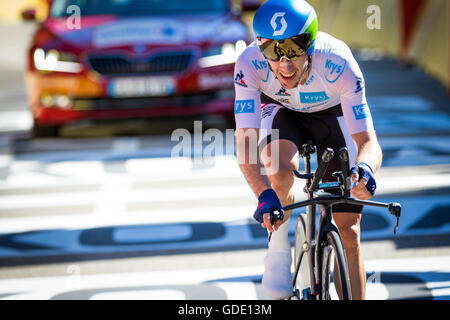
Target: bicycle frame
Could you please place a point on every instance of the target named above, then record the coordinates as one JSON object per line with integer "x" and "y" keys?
{"x": 310, "y": 246}
{"x": 324, "y": 202}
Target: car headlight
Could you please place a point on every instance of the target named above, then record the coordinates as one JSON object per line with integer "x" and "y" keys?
{"x": 54, "y": 60}
{"x": 227, "y": 54}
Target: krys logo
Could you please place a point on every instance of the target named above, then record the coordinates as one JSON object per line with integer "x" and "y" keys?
{"x": 361, "y": 111}
{"x": 313, "y": 97}
{"x": 334, "y": 70}
{"x": 259, "y": 64}
{"x": 244, "y": 106}
{"x": 278, "y": 23}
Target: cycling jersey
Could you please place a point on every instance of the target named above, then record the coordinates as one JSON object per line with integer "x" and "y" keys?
{"x": 335, "y": 78}
{"x": 325, "y": 129}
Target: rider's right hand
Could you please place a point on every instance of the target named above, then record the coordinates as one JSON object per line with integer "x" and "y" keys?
{"x": 364, "y": 181}
{"x": 268, "y": 202}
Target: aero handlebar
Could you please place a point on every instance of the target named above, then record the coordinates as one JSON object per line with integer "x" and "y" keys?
{"x": 344, "y": 183}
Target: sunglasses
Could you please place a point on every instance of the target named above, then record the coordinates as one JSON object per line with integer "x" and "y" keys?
{"x": 291, "y": 48}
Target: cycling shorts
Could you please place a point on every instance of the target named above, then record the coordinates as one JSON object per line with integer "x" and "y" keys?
{"x": 326, "y": 129}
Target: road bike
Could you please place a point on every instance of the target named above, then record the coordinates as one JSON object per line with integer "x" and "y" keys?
{"x": 314, "y": 251}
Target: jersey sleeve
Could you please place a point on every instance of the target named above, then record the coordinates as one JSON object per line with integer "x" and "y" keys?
{"x": 352, "y": 92}
{"x": 247, "y": 111}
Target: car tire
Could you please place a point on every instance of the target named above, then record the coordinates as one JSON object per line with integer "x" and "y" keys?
{"x": 45, "y": 131}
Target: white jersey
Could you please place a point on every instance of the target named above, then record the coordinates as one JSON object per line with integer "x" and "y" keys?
{"x": 335, "y": 78}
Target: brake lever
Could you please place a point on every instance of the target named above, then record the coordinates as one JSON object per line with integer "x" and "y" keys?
{"x": 396, "y": 224}
{"x": 395, "y": 209}
{"x": 275, "y": 215}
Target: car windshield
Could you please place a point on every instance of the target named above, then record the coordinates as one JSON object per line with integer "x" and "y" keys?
{"x": 62, "y": 8}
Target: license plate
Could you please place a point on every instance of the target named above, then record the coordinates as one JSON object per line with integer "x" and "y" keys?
{"x": 141, "y": 86}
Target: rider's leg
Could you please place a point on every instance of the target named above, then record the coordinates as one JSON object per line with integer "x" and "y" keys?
{"x": 281, "y": 133}
{"x": 329, "y": 130}
{"x": 279, "y": 165}
{"x": 349, "y": 227}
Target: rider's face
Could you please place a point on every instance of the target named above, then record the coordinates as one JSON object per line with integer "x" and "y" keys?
{"x": 289, "y": 72}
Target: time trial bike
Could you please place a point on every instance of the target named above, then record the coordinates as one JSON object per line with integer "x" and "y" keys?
{"x": 314, "y": 251}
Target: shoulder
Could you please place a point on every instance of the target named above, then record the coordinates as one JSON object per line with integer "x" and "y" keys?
{"x": 251, "y": 52}
{"x": 252, "y": 64}
{"x": 326, "y": 44}
{"x": 252, "y": 58}
{"x": 332, "y": 57}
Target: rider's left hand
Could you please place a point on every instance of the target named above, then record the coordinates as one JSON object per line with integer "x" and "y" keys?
{"x": 268, "y": 202}
{"x": 364, "y": 184}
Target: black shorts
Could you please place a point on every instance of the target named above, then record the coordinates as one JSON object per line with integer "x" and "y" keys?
{"x": 326, "y": 129}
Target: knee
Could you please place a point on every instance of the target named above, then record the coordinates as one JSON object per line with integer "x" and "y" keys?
{"x": 282, "y": 181}
{"x": 279, "y": 168}
{"x": 351, "y": 238}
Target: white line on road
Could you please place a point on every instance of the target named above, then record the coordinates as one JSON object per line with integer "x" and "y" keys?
{"x": 169, "y": 284}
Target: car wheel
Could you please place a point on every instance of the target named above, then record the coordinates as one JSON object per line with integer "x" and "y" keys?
{"x": 45, "y": 131}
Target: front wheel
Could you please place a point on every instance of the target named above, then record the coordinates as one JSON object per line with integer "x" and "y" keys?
{"x": 341, "y": 279}
{"x": 302, "y": 281}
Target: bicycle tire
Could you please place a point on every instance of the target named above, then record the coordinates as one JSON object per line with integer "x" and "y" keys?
{"x": 302, "y": 280}
{"x": 335, "y": 245}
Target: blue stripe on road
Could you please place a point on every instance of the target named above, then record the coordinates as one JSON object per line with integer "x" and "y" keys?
{"x": 421, "y": 216}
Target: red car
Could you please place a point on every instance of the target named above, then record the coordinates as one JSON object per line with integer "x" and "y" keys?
{"x": 127, "y": 59}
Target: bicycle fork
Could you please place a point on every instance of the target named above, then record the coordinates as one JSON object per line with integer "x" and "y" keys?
{"x": 308, "y": 251}
{"x": 312, "y": 248}
{"x": 326, "y": 224}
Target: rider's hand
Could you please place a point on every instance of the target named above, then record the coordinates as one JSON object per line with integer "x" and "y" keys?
{"x": 268, "y": 202}
{"x": 364, "y": 184}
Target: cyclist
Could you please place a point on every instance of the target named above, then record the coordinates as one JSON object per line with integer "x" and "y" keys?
{"x": 295, "y": 84}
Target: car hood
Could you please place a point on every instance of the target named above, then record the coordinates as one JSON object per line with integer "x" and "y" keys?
{"x": 97, "y": 32}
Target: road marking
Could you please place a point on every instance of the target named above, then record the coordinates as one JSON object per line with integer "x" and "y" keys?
{"x": 141, "y": 295}
{"x": 137, "y": 215}
{"x": 123, "y": 190}
{"x": 15, "y": 121}
{"x": 235, "y": 283}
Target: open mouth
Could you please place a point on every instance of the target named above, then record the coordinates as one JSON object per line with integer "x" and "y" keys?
{"x": 288, "y": 77}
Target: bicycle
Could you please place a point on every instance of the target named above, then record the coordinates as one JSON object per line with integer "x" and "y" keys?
{"x": 311, "y": 280}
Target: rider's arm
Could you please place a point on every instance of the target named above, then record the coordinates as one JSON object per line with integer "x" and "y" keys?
{"x": 367, "y": 163}
{"x": 250, "y": 164}
{"x": 369, "y": 151}
{"x": 247, "y": 114}
{"x": 356, "y": 111}
{"x": 247, "y": 111}
{"x": 258, "y": 182}
{"x": 359, "y": 122}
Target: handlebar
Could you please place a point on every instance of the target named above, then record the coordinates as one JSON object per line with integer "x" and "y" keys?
{"x": 321, "y": 169}
{"x": 275, "y": 215}
{"x": 345, "y": 167}
{"x": 329, "y": 199}
{"x": 344, "y": 184}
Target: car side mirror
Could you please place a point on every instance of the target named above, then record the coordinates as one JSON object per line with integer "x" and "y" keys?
{"x": 29, "y": 15}
{"x": 250, "y": 5}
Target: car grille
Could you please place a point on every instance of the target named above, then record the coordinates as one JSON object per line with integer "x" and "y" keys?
{"x": 186, "y": 100}
{"x": 168, "y": 62}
